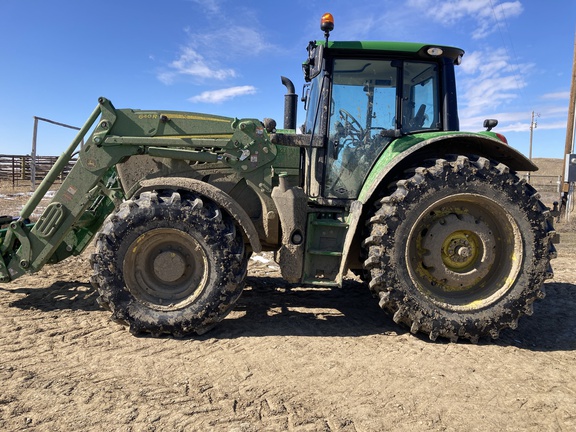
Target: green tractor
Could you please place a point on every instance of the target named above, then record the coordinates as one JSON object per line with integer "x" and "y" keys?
{"x": 378, "y": 181}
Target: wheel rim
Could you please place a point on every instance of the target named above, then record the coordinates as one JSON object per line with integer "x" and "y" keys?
{"x": 464, "y": 252}
{"x": 166, "y": 268}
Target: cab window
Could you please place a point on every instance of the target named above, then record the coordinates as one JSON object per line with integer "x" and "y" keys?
{"x": 420, "y": 97}
{"x": 371, "y": 102}
{"x": 362, "y": 117}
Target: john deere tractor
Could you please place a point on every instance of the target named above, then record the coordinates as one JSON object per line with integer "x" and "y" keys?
{"x": 379, "y": 181}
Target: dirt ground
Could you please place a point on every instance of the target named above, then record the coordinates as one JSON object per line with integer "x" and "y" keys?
{"x": 287, "y": 358}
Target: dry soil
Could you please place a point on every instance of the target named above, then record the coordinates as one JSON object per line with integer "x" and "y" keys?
{"x": 287, "y": 358}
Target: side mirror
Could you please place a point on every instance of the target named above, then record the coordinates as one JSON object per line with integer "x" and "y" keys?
{"x": 489, "y": 124}
{"x": 313, "y": 65}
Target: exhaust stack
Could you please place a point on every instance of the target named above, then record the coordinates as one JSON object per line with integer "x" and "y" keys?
{"x": 290, "y": 104}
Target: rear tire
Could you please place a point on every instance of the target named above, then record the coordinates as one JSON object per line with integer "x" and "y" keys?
{"x": 169, "y": 264}
{"x": 460, "y": 249}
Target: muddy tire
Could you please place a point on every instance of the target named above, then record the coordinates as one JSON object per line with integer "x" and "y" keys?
{"x": 169, "y": 263}
{"x": 460, "y": 248}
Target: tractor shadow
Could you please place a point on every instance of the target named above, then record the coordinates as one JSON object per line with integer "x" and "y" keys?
{"x": 271, "y": 307}
{"x": 61, "y": 295}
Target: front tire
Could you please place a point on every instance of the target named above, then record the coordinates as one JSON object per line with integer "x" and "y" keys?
{"x": 460, "y": 249}
{"x": 167, "y": 263}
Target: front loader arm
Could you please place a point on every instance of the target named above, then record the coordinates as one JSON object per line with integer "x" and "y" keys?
{"x": 91, "y": 190}
{"x": 77, "y": 209}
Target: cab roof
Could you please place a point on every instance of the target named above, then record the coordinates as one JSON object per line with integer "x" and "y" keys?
{"x": 420, "y": 50}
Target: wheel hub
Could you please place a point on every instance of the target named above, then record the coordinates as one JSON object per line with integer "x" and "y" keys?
{"x": 169, "y": 266}
{"x": 456, "y": 257}
{"x": 166, "y": 268}
{"x": 460, "y": 250}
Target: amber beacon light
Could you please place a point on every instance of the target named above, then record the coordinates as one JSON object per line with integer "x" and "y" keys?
{"x": 327, "y": 23}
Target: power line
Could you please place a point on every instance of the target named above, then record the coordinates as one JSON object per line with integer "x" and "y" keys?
{"x": 513, "y": 57}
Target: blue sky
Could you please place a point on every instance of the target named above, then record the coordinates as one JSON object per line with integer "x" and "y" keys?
{"x": 226, "y": 57}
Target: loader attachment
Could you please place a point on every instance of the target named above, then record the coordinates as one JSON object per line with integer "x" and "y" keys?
{"x": 77, "y": 210}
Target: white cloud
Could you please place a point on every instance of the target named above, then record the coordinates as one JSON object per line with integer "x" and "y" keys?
{"x": 488, "y": 14}
{"x": 488, "y": 63}
{"x": 219, "y": 96}
{"x": 235, "y": 41}
{"x": 525, "y": 127}
{"x": 549, "y": 118}
{"x": 206, "y": 51}
{"x": 556, "y": 110}
{"x": 552, "y": 125}
{"x": 193, "y": 64}
{"x": 489, "y": 81}
{"x": 491, "y": 92}
{"x": 507, "y": 122}
{"x": 558, "y": 95}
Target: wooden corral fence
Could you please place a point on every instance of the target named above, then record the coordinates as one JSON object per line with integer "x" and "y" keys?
{"x": 548, "y": 183}
{"x": 16, "y": 169}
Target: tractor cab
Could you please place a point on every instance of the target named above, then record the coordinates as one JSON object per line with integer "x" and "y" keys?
{"x": 361, "y": 96}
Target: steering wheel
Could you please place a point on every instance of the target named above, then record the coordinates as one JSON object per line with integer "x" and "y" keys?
{"x": 352, "y": 125}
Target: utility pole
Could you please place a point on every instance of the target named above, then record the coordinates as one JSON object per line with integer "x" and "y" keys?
{"x": 569, "y": 131}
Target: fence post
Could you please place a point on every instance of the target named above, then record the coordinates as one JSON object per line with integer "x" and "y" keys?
{"x": 23, "y": 168}
{"x": 13, "y": 172}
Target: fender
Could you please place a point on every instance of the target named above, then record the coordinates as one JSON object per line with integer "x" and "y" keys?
{"x": 453, "y": 142}
{"x": 218, "y": 196}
